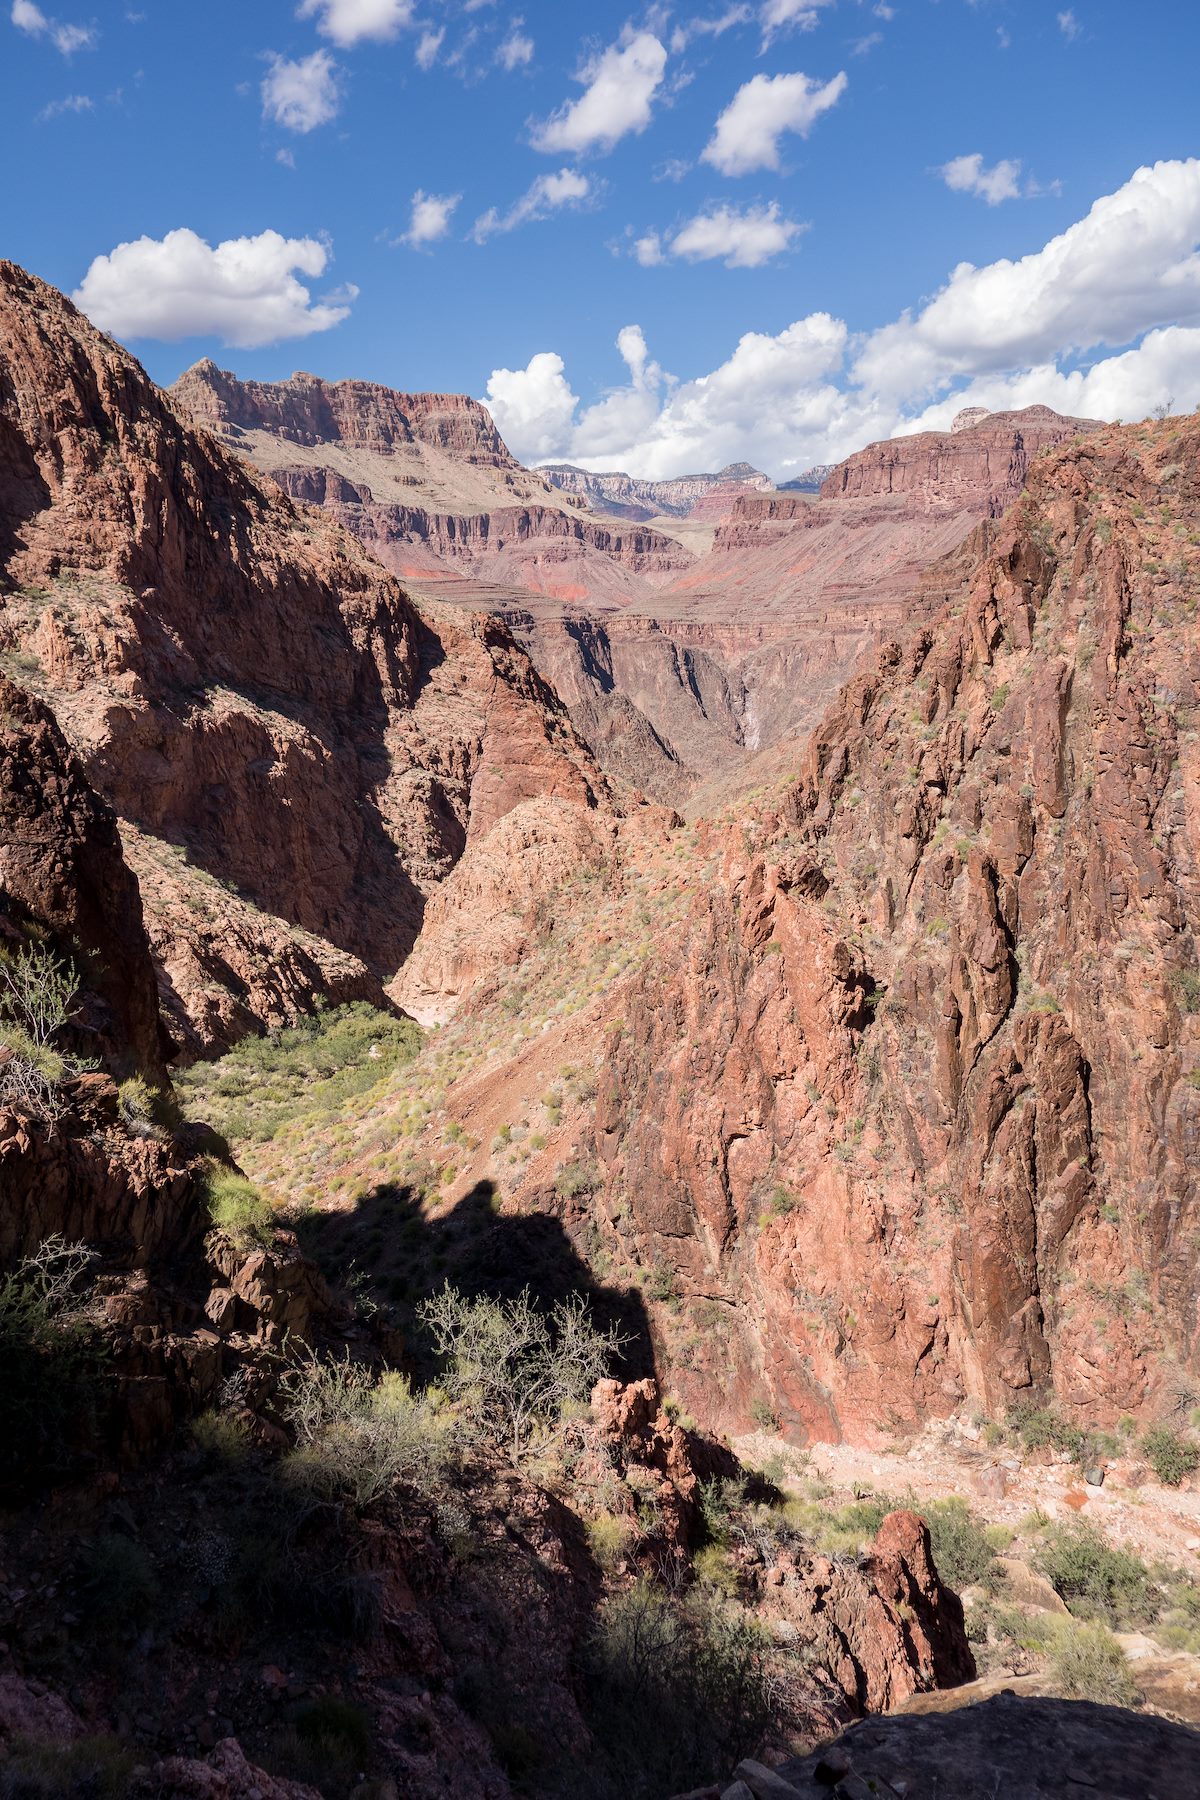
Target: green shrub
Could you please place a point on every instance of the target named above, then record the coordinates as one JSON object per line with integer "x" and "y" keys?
{"x": 237, "y": 1208}
{"x": 960, "y": 1543}
{"x": 764, "y": 1414}
{"x": 37, "y": 1000}
{"x": 1170, "y": 1455}
{"x": 1087, "y": 1663}
{"x": 676, "y": 1693}
{"x": 575, "y": 1178}
{"x": 515, "y": 1370}
{"x": 1096, "y": 1581}
{"x": 609, "y": 1536}
{"x": 358, "y": 1437}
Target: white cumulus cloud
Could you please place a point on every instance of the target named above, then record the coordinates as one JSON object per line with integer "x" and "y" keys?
{"x": 430, "y": 219}
{"x": 349, "y": 22}
{"x": 620, "y": 84}
{"x": 34, "y": 23}
{"x": 70, "y": 103}
{"x": 546, "y": 195}
{"x": 301, "y": 95}
{"x": 244, "y": 291}
{"x": 742, "y": 238}
{"x": 1103, "y": 320}
{"x": 534, "y": 406}
{"x": 747, "y": 133}
{"x": 969, "y": 175}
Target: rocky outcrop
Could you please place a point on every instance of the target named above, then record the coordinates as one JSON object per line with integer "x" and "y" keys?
{"x": 304, "y": 409}
{"x": 980, "y": 463}
{"x": 238, "y": 678}
{"x": 886, "y": 1628}
{"x": 1027, "y": 1749}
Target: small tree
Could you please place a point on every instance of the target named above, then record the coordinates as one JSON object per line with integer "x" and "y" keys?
{"x": 37, "y": 995}
{"x": 357, "y": 1437}
{"x": 516, "y": 1369}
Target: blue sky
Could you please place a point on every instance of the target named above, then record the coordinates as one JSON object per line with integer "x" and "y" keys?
{"x": 799, "y": 182}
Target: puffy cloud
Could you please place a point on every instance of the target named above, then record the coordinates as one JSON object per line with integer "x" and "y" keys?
{"x": 350, "y": 22}
{"x": 301, "y": 95}
{"x": 1069, "y": 25}
{"x": 244, "y": 291}
{"x": 544, "y": 196}
{"x": 516, "y": 50}
{"x": 620, "y": 84}
{"x": 431, "y": 214}
{"x": 742, "y": 238}
{"x": 1124, "y": 279}
{"x": 1131, "y": 264}
{"x": 968, "y": 175}
{"x": 68, "y": 38}
{"x": 747, "y": 133}
{"x": 533, "y": 407}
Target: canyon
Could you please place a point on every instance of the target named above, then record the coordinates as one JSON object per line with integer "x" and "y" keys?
{"x": 684, "y": 641}
{"x": 751, "y": 949}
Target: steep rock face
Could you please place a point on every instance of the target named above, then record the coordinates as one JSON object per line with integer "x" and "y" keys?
{"x": 306, "y": 410}
{"x": 912, "y": 1095}
{"x": 239, "y": 679}
{"x": 980, "y": 463}
{"x": 61, "y": 866}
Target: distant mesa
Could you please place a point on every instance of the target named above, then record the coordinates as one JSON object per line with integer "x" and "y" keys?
{"x": 708, "y": 496}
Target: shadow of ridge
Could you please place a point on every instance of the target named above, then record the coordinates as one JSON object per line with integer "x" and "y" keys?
{"x": 392, "y": 1253}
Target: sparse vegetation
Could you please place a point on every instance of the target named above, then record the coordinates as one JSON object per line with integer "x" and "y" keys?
{"x": 37, "y": 999}
{"x": 677, "y": 1690}
{"x": 357, "y": 1436}
{"x": 304, "y": 1074}
{"x": 1170, "y": 1454}
{"x": 514, "y": 1369}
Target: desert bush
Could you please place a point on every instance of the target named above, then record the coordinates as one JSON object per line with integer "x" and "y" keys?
{"x": 514, "y": 1369}
{"x": 1087, "y": 1663}
{"x": 237, "y": 1208}
{"x": 51, "y": 1363}
{"x": 609, "y": 1536}
{"x": 357, "y": 1437}
{"x": 1171, "y": 1455}
{"x": 676, "y": 1692}
{"x": 575, "y": 1178}
{"x": 37, "y": 997}
{"x": 1096, "y": 1581}
{"x": 961, "y": 1549}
